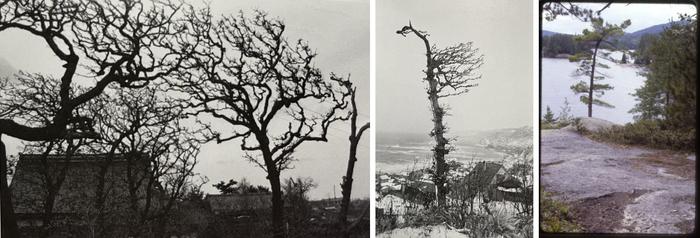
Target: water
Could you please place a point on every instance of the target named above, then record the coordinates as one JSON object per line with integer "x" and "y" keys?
{"x": 557, "y": 79}
{"x": 397, "y": 152}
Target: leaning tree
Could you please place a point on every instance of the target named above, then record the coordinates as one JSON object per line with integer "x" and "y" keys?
{"x": 266, "y": 88}
{"x": 108, "y": 42}
{"x": 600, "y": 34}
{"x": 450, "y": 71}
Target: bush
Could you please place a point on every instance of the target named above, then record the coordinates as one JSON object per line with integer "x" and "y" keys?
{"x": 651, "y": 133}
{"x": 555, "y": 216}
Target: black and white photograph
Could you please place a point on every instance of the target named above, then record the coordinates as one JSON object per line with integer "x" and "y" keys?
{"x": 454, "y": 119}
{"x": 149, "y": 118}
{"x": 618, "y": 118}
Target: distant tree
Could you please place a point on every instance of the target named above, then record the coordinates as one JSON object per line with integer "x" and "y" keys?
{"x": 642, "y": 55}
{"x": 226, "y": 187}
{"x": 355, "y": 136}
{"x": 267, "y": 89}
{"x": 449, "y": 71}
{"x": 669, "y": 93}
{"x": 624, "y": 58}
{"x": 147, "y": 129}
{"x": 243, "y": 187}
{"x": 599, "y": 35}
{"x": 549, "y": 116}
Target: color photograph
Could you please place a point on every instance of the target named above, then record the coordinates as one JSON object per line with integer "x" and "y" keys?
{"x": 617, "y": 118}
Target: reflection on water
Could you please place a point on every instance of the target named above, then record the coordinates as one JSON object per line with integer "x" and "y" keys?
{"x": 557, "y": 79}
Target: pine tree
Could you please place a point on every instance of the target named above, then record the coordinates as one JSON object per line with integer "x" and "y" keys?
{"x": 669, "y": 91}
{"x": 599, "y": 35}
{"x": 624, "y": 58}
{"x": 549, "y": 116}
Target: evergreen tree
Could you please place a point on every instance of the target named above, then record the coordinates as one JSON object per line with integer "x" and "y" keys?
{"x": 598, "y": 36}
{"x": 549, "y": 116}
{"x": 669, "y": 91}
{"x": 624, "y": 58}
{"x": 642, "y": 54}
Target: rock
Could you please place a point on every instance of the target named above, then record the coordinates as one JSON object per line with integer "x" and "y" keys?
{"x": 591, "y": 124}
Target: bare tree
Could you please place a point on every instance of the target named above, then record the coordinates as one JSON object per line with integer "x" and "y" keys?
{"x": 355, "y": 136}
{"x": 146, "y": 128}
{"x": 449, "y": 71}
{"x": 247, "y": 74}
{"x": 113, "y": 41}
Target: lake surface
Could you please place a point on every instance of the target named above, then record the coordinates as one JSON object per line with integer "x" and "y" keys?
{"x": 557, "y": 79}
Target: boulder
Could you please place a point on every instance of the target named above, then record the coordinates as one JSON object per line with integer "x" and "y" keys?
{"x": 590, "y": 124}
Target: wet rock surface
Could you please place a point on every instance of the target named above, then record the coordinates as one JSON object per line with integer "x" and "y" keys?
{"x": 614, "y": 188}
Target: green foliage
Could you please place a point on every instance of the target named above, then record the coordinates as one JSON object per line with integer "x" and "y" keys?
{"x": 599, "y": 35}
{"x": 650, "y": 133}
{"x": 549, "y": 116}
{"x": 643, "y": 53}
{"x": 669, "y": 91}
{"x": 556, "y": 216}
{"x": 563, "y": 119}
{"x": 561, "y": 44}
{"x": 624, "y": 58}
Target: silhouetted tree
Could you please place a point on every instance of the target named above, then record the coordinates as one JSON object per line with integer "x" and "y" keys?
{"x": 355, "y": 136}
{"x": 267, "y": 89}
{"x": 113, "y": 41}
{"x": 599, "y": 35}
{"x": 449, "y": 71}
{"x": 234, "y": 187}
{"x": 147, "y": 128}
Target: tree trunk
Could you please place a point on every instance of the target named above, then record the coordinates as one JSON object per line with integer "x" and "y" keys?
{"x": 9, "y": 222}
{"x": 591, "y": 84}
{"x": 438, "y": 132}
{"x": 277, "y": 204}
{"x": 440, "y": 149}
{"x": 346, "y": 186}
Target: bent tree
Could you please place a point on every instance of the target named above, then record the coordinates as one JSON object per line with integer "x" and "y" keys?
{"x": 599, "y": 35}
{"x": 111, "y": 41}
{"x": 450, "y": 71}
{"x": 266, "y": 88}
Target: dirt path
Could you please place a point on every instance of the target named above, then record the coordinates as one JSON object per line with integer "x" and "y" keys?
{"x": 619, "y": 189}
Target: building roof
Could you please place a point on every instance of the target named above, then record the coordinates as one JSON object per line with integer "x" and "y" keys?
{"x": 238, "y": 202}
{"x": 80, "y": 175}
{"x": 484, "y": 173}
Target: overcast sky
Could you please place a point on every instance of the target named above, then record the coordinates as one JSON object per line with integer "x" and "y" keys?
{"x": 501, "y": 29}
{"x": 641, "y": 15}
{"x": 337, "y": 29}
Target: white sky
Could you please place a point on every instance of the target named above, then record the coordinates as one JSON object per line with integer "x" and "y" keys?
{"x": 338, "y": 30}
{"x": 641, "y": 15}
{"x": 502, "y": 30}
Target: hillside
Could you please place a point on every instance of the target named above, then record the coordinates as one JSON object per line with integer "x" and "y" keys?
{"x": 629, "y": 40}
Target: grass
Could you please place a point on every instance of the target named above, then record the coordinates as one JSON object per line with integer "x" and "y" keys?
{"x": 652, "y": 134}
{"x": 556, "y": 216}
{"x": 554, "y": 125}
